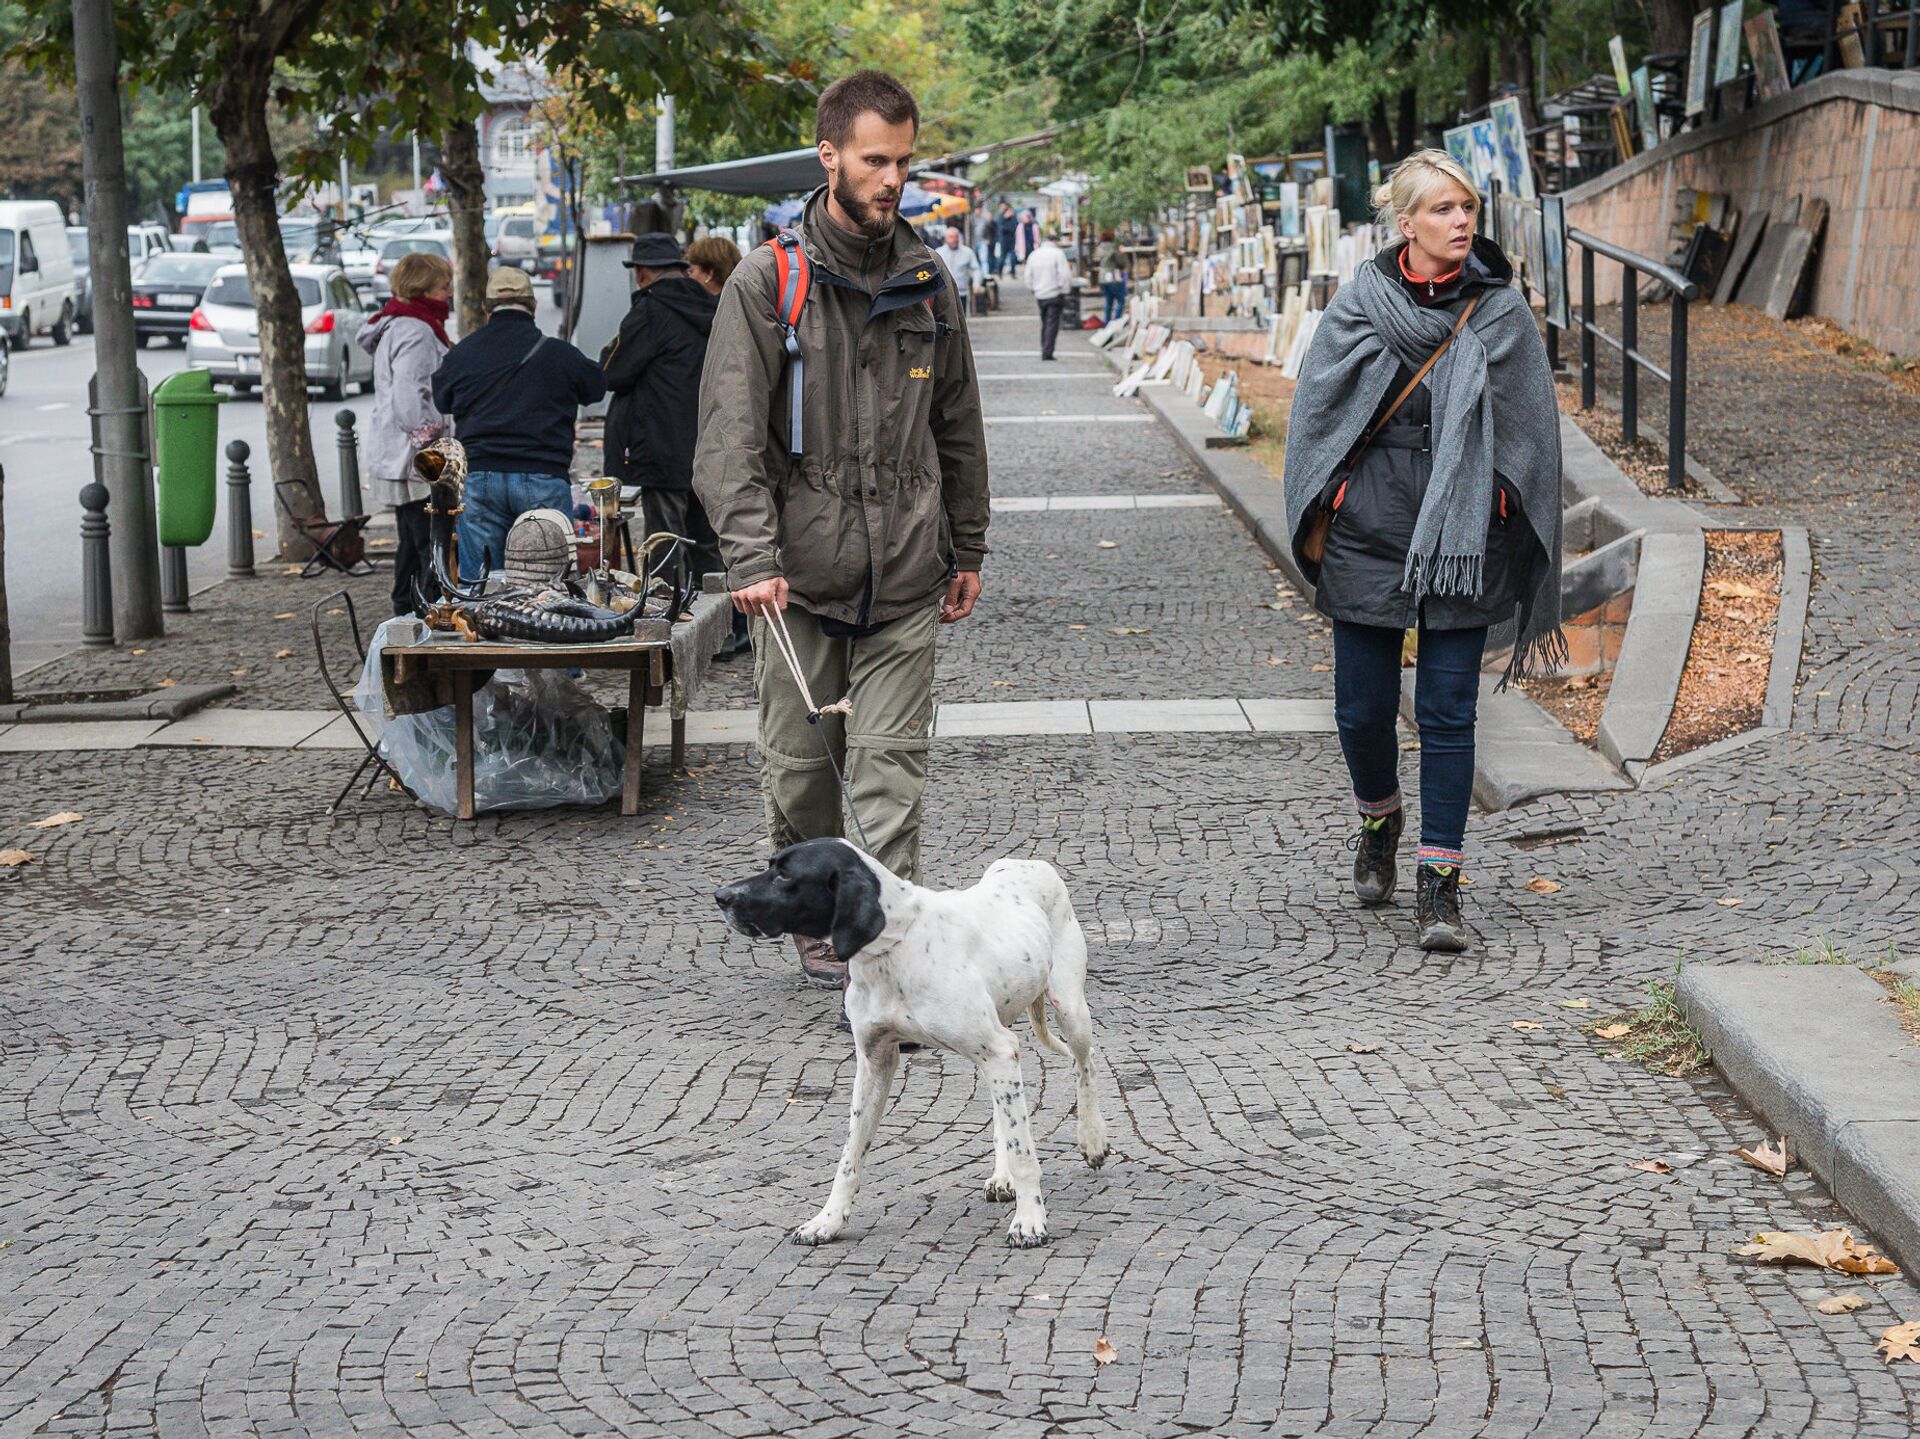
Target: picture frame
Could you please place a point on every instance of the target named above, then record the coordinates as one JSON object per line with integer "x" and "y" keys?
{"x": 1617, "y": 49}
{"x": 1643, "y": 108}
{"x": 1486, "y": 154}
{"x": 1623, "y": 140}
{"x": 1459, "y": 143}
{"x": 1769, "y": 63}
{"x": 1290, "y": 208}
{"x": 1700, "y": 63}
{"x": 1726, "y": 52}
{"x": 1850, "y": 25}
{"x": 1553, "y": 255}
{"x": 1535, "y": 246}
{"x": 1510, "y": 137}
{"x": 1199, "y": 180}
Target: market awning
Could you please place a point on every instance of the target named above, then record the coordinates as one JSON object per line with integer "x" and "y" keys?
{"x": 786, "y": 173}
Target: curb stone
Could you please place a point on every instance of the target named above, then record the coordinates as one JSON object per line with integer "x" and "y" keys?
{"x": 1821, "y": 1055}
{"x": 172, "y": 703}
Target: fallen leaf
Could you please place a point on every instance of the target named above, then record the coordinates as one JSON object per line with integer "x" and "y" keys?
{"x": 1543, "y": 886}
{"x": 1527, "y": 1024}
{"x": 1040, "y": 1296}
{"x": 1737, "y": 589}
{"x": 166, "y": 684}
{"x": 1842, "y": 1304}
{"x": 10, "y": 858}
{"x": 284, "y": 615}
{"x": 283, "y": 654}
{"x": 259, "y": 534}
{"x": 236, "y": 673}
{"x": 1103, "y": 1352}
{"x": 1729, "y": 901}
{"x": 1363, "y": 1048}
{"x": 1129, "y": 632}
{"x": 1902, "y": 1341}
{"x": 1830, "y": 1249}
{"x": 1614, "y": 1031}
{"x": 1576, "y": 1004}
{"x": 1768, "y": 1158}
{"x": 336, "y": 612}
{"x": 1653, "y": 1166}
{"x": 54, "y": 821}
{"x": 1076, "y": 627}
{"x": 1108, "y": 545}
{"x": 1275, "y": 660}
{"x": 136, "y": 652}
{"x": 1321, "y": 669}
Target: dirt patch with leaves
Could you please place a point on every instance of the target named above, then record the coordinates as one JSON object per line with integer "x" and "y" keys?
{"x": 1657, "y": 1035}
{"x": 1575, "y": 700}
{"x": 1723, "y": 689}
{"x": 1644, "y": 462}
{"x": 1903, "y": 370}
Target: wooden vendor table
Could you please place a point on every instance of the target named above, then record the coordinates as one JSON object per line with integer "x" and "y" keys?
{"x": 645, "y": 658}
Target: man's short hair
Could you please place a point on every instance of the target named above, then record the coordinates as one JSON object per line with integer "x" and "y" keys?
{"x": 851, "y": 96}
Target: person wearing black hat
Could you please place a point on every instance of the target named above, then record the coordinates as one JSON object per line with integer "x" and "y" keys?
{"x": 653, "y": 372}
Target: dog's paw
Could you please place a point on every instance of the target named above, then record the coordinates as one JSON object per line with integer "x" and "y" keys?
{"x": 1027, "y": 1235}
{"x": 998, "y": 1189}
{"x": 1096, "y": 1157}
{"x": 817, "y": 1231}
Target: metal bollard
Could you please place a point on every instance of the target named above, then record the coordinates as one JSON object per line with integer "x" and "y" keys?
{"x": 96, "y": 569}
{"x": 173, "y": 580}
{"x": 349, "y": 444}
{"x": 239, "y": 512}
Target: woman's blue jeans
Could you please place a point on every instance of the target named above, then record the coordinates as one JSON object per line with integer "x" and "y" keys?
{"x": 1366, "y": 705}
{"x": 493, "y": 500}
{"x": 1116, "y": 294}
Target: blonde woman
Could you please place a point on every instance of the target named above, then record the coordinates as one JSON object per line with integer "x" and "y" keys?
{"x": 407, "y": 340}
{"x": 1424, "y": 493}
{"x": 710, "y": 261}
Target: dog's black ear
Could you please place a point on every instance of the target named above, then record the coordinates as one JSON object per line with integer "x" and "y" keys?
{"x": 857, "y": 916}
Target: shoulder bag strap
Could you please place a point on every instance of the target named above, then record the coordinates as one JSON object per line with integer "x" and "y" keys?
{"x": 500, "y": 384}
{"x": 1413, "y": 384}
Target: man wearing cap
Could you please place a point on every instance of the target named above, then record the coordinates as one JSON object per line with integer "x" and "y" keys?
{"x": 653, "y": 372}
{"x": 514, "y": 395}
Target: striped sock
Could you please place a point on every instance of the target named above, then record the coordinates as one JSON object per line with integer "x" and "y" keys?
{"x": 1440, "y": 858}
{"x": 1377, "y": 808}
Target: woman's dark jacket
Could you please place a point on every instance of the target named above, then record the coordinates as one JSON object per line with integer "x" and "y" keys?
{"x": 1366, "y": 555}
{"x": 653, "y": 371}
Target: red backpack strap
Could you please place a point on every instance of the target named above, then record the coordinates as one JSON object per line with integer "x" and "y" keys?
{"x": 793, "y": 277}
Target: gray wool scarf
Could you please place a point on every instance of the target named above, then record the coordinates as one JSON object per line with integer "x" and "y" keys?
{"x": 1494, "y": 413}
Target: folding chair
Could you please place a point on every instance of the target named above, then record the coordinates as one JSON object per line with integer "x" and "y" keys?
{"x": 343, "y": 698}
{"x": 337, "y": 544}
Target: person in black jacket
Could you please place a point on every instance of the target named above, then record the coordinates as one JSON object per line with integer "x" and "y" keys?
{"x": 653, "y": 371}
{"x": 514, "y": 395}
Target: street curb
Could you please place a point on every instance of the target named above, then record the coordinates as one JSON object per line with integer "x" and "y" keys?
{"x": 1646, "y": 678}
{"x": 1820, "y": 1054}
{"x": 1789, "y": 626}
{"x": 173, "y": 703}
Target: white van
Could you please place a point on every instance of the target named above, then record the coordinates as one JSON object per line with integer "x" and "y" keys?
{"x": 37, "y": 293}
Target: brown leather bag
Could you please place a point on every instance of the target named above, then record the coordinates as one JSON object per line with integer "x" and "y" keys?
{"x": 1313, "y": 542}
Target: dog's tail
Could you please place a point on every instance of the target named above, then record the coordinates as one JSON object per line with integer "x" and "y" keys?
{"x": 1037, "y": 1012}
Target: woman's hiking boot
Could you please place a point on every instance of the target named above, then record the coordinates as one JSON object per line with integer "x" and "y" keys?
{"x": 1437, "y": 909}
{"x": 822, "y": 967}
{"x": 1373, "y": 871}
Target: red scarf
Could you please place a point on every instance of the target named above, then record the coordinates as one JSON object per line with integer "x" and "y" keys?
{"x": 430, "y": 311}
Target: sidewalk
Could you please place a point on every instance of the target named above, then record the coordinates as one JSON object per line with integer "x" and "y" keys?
{"x": 384, "y": 1124}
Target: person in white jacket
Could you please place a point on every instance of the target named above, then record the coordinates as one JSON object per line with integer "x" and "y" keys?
{"x": 962, "y": 263}
{"x": 1050, "y": 277}
{"x": 407, "y": 340}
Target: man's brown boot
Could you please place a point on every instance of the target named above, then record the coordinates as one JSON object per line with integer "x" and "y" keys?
{"x": 823, "y": 968}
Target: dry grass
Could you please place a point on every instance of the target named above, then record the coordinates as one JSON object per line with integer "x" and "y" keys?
{"x": 1659, "y": 1035}
{"x": 1903, "y": 370}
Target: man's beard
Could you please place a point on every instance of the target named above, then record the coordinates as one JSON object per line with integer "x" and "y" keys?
{"x": 871, "y": 222}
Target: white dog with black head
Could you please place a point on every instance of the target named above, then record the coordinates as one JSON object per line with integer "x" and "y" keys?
{"x": 951, "y": 968}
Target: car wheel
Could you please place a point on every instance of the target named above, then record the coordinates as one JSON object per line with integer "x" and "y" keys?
{"x": 140, "y": 340}
{"x": 243, "y": 387}
{"x": 6, "y": 364}
{"x": 25, "y": 337}
{"x": 335, "y": 389}
{"x": 63, "y": 327}
{"x": 179, "y": 342}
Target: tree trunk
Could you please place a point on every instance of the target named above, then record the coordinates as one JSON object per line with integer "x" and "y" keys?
{"x": 1409, "y": 120}
{"x": 240, "y": 117}
{"x": 6, "y": 621}
{"x": 1516, "y": 69}
{"x": 1479, "y": 79}
{"x": 466, "y": 181}
{"x": 1380, "y": 134}
{"x": 1672, "y": 25}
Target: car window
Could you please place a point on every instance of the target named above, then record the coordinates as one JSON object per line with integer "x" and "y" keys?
{"x": 343, "y": 295}
{"x": 236, "y": 290}
{"x": 27, "y": 262}
{"x": 77, "y": 242}
{"x": 410, "y": 245}
{"x": 520, "y": 229}
{"x": 179, "y": 270}
{"x": 6, "y": 247}
{"x": 492, "y": 227}
{"x": 223, "y": 234}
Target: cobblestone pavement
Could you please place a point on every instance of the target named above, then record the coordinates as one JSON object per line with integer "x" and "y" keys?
{"x": 384, "y": 1125}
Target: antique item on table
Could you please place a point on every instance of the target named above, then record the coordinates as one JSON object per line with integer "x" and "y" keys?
{"x": 540, "y": 549}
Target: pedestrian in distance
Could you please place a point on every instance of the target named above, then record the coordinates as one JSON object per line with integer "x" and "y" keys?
{"x": 1423, "y": 492}
{"x": 710, "y": 262}
{"x": 1110, "y": 264}
{"x": 1050, "y": 277}
{"x": 653, "y": 373}
{"x": 408, "y": 340}
{"x": 1026, "y": 237}
{"x": 843, "y": 459}
{"x": 961, "y": 263}
{"x": 515, "y": 396}
{"x": 1006, "y": 227}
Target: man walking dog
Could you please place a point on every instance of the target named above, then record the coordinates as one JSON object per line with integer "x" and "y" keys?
{"x": 842, "y": 459}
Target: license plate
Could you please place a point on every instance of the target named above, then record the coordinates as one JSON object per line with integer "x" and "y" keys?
{"x": 179, "y": 299}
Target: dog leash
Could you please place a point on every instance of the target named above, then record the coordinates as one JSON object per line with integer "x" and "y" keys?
{"x": 782, "y": 641}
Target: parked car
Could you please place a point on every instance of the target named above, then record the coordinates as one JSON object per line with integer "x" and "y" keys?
{"x": 359, "y": 250}
{"x": 222, "y": 237}
{"x": 187, "y": 243}
{"x": 167, "y": 290}
{"x": 6, "y": 366}
{"x": 37, "y": 292}
{"x": 432, "y": 242}
{"x": 515, "y": 240}
{"x": 144, "y": 241}
{"x": 223, "y": 333}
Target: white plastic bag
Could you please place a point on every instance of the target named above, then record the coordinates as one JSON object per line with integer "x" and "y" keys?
{"x": 539, "y": 740}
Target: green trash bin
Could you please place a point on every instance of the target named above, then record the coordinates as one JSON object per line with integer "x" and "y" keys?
{"x": 186, "y": 440}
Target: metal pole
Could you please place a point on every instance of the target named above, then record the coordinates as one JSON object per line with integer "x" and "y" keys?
{"x": 349, "y": 448}
{"x": 663, "y": 127}
{"x": 1677, "y": 396}
{"x": 418, "y": 199}
{"x": 239, "y": 512}
{"x": 343, "y": 187}
{"x": 96, "y": 576}
{"x": 120, "y": 457}
{"x": 196, "y": 144}
{"x": 1629, "y": 366}
{"x": 1586, "y": 328}
{"x": 173, "y": 580}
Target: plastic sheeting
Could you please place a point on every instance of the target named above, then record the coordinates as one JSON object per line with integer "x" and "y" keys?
{"x": 539, "y": 740}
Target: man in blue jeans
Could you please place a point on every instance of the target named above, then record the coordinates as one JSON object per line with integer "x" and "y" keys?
{"x": 514, "y": 395}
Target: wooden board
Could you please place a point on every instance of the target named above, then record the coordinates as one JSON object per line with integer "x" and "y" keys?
{"x": 1751, "y": 229}
{"x": 1796, "y": 253}
{"x": 1758, "y": 283}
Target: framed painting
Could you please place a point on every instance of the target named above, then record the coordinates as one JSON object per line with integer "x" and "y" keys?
{"x": 1199, "y": 180}
{"x": 1553, "y": 256}
{"x": 1617, "y": 49}
{"x": 1622, "y": 132}
{"x": 1726, "y": 50}
{"x": 1459, "y": 142}
{"x": 1643, "y": 108}
{"x": 1700, "y": 63}
{"x": 1510, "y": 135}
{"x": 1486, "y": 155}
{"x": 1769, "y": 64}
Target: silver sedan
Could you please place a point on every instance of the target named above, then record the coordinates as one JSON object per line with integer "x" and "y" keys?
{"x": 223, "y": 335}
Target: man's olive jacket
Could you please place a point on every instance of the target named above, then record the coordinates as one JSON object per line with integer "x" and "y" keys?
{"x": 888, "y": 499}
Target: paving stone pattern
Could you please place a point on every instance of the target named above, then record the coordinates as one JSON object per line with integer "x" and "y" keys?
{"x": 385, "y": 1125}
